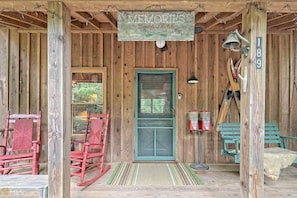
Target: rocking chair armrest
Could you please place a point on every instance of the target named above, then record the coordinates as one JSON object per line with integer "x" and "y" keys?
{"x": 35, "y": 145}
{"x": 3, "y": 148}
{"x": 77, "y": 141}
{"x": 35, "y": 142}
{"x": 88, "y": 144}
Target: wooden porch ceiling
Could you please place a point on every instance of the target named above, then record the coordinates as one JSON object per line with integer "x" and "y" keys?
{"x": 101, "y": 16}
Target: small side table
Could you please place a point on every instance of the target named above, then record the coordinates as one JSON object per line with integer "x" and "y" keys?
{"x": 199, "y": 165}
{"x": 275, "y": 159}
{"x": 24, "y": 186}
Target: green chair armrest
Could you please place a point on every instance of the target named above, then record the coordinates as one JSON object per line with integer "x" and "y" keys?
{"x": 289, "y": 137}
{"x": 236, "y": 142}
{"x": 284, "y": 140}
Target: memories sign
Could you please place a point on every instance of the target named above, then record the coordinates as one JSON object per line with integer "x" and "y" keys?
{"x": 153, "y": 26}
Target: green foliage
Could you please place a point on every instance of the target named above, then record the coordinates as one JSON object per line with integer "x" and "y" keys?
{"x": 87, "y": 92}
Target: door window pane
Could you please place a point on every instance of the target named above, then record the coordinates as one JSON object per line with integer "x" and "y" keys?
{"x": 155, "y": 95}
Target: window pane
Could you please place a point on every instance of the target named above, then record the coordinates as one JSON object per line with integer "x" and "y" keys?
{"x": 87, "y": 92}
{"x": 80, "y": 113}
{"x": 87, "y": 97}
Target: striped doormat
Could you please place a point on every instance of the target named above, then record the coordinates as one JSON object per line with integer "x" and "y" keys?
{"x": 153, "y": 174}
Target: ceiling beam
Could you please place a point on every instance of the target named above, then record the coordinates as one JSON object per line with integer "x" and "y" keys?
{"x": 281, "y": 20}
{"x": 233, "y": 23}
{"x": 12, "y": 22}
{"x": 24, "y": 18}
{"x": 77, "y": 24}
{"x": 89, "y": 19}
{"x": 154, "y": 5}
{"x": 40, "y": 16}
{"x": 111, "y": 19}
{"x": 217, "y": 20}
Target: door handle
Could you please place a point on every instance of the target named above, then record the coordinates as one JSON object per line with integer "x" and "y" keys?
{"x": 173, "y": 112}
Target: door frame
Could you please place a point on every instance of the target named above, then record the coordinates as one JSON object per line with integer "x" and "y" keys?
{"x": 173, "y": 88}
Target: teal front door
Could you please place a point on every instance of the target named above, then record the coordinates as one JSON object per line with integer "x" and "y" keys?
{"x": 155, "y": 115}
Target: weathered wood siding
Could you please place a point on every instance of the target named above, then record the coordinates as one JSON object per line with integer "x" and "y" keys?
{"x": 25, "y": 76}
{"x": 26, "y": 89}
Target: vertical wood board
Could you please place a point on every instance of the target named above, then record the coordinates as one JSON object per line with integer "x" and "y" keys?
{"x": 293, "y": 90}
{"x": 128, "y": 104}
{"x": 24, "y": 72}
{"x": 284, "y": 82}
{"x": 116, "y": 99}
{"x": 34, "y": 73}
{"x": 4, "y": 74}
{"x": 43, "y": 95}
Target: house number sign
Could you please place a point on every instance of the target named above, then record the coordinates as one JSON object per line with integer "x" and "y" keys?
{"x": 259, "y": 53}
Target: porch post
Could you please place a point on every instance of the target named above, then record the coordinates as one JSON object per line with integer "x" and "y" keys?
{"x": 59, "y": 98}
{"x": 252, "y": 105}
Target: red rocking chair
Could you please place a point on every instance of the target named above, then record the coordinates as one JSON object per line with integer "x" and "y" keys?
{"x": 19, "y": 150}
{"x": 91, "y": 157}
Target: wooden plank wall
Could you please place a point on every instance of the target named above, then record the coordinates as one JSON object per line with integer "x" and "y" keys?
{"x": 204, "y": 57}
{"x": 25, "y": 87}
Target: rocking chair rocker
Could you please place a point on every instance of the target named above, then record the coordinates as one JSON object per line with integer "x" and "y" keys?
{"x": 20, "y": 148}
{"x": 91, "y": 157}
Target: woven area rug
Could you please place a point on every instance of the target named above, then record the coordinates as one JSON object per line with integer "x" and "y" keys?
{"x": 153, "y": 174}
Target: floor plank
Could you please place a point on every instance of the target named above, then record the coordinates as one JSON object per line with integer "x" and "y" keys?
{"x": 219, "y": 181}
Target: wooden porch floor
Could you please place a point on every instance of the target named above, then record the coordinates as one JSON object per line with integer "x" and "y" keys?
{"x": 220, "y": 181}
